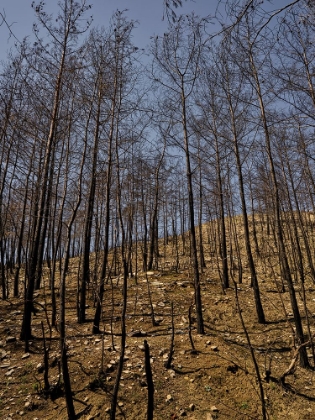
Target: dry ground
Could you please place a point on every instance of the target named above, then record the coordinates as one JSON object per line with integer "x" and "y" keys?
{"x": 217, "y": 381}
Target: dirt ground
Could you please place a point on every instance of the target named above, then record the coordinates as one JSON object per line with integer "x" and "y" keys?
{"x": 217, "y": 381}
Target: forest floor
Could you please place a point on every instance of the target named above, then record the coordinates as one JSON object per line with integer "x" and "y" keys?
{"x": 217, "y": 381}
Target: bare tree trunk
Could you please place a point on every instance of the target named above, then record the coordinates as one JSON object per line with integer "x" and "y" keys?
{"x": 153, "y": 224}
{"x": 194, "y": 254}
{"x": 283, "y": 260}
{"x": 250, "y": 260}
{"x": 148, "y": 372}
{"x": 26, "y": 333}
{"x": 108, "y": 183}
{"x": 85, "y": 271}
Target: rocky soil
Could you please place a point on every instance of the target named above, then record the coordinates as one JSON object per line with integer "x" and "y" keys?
{"x": 215, "y": 380}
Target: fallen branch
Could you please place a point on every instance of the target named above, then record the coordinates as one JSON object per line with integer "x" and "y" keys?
{"x": 291, "y": 367}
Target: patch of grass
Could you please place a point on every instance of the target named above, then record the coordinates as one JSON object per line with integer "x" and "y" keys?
{"x": 24, "y": 379}
{"x": 35, "y": 387}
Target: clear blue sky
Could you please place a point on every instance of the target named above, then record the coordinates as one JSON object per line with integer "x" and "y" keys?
{"x": 148, "y": 13}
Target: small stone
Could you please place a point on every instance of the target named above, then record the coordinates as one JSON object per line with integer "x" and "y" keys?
{"x": 28, "y": 405}
{"x": 120, "y": 404}
{"x": 10, "y": 339}
{"x": 25, "y": 356}
{"x": 169, "y": 398}
{"x": 214, "y": 408}
{"x": 192, "y": 407}
{"x": 214, "y": 348}
{"x": 9, "y": 373}
{"x": 40, "y": 368}
{"x": 5, "y": 366}
{"x": 182, "y": 413}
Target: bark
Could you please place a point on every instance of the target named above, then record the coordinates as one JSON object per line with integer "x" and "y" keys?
{"x": 26, "y": 331}
{"x": 85, "y": 271}
{"x": 148, "y": 371}
{"x": 283, "y": 259}
{"x": 194, "y": 253}
{"x": 250, "y": 260}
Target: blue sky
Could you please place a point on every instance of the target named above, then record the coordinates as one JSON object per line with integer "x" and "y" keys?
{"x": 148, "y": 13}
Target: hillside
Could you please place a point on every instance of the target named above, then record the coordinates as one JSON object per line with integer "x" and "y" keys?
{"x": 211, "y": 376}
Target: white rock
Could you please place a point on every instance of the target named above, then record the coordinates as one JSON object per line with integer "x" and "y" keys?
{"x": 9, "y": 373}
{"x": 5, "y": 365}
